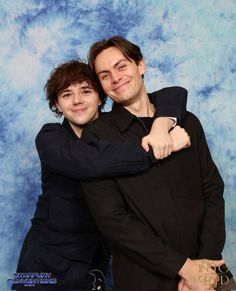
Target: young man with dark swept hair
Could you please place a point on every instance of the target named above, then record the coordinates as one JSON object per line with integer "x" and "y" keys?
{"x": 63, "y": 240}
{"x": 163, "y": 223}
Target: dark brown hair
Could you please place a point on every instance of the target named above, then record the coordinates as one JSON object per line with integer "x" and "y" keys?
{"x": 66, "y": 74}
{"x": 130, "y": 50}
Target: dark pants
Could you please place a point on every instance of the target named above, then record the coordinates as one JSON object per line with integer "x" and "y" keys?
{"x": 67, "y": 274}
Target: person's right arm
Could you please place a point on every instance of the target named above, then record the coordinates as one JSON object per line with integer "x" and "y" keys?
{"x": 60, "y": 152}
{"x": 134, "y": 238}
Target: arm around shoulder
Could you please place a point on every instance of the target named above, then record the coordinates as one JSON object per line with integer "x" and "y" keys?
{"x": 62, "y": 153}
{"x": 170, "y": 102}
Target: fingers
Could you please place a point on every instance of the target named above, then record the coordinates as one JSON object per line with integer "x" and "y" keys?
{"x": 145, "y": 144}
{"x": 167, "y": 149}
{"x": 162, "y": 151}
{"x": 187, "y": 145}
{"x": 180, "y": 285}
{"x": 180, "y": 139}
{"x": 213, "y": 263}
{"x": 217, "y": 263}
{"x": 209, "y": 276}
{"x": 188, "y": 141}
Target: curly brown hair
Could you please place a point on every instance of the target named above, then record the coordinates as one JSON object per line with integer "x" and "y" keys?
{"x": 69, "y": 73}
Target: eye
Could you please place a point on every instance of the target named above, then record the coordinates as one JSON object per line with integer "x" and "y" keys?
{"x": 87, "y": 91}
{"x": 122, "y": 67}
{"x": 104, "y": 77}
{"x": 66, "y": 95}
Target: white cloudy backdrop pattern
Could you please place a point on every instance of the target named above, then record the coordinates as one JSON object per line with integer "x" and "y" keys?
{"x": 186, "y": 44}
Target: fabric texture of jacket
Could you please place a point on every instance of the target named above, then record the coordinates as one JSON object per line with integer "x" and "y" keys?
{"x": 156, "y": 219}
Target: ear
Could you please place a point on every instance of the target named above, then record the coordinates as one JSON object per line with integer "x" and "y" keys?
{"x": 142, "y": 67}
{"x": 99, "y": 102}
{"x": 58, "y": 106}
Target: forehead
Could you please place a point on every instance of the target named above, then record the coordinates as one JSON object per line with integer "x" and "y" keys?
{"x": 77, "y": 86}
{"x": 108, "y": 58}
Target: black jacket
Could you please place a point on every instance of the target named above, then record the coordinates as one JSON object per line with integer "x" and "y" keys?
{"x": 62, "y": 221}
{"x": 158, "y": 218}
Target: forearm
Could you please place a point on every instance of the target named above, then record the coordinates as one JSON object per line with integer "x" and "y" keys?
{"x": 97, "y": 159}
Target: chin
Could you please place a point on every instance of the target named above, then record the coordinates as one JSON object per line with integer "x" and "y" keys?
{"x": 83, "y": 123}
{"x": 80, "y": 122}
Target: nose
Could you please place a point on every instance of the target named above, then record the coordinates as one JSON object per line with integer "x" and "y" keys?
{"x": 116, "y": 76}
{"x": 77, "y": 99}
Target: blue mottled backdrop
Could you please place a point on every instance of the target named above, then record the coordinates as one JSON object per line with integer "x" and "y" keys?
{"x": 186, "y": 43}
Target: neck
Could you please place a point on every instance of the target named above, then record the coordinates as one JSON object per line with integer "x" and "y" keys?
{"x": 141, "y": 107}
{"x": 77, "y": 129}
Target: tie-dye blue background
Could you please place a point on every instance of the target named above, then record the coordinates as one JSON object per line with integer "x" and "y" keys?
{"x": 186, "y": 43}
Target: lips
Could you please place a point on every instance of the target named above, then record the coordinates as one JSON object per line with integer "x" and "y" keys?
{"x": 79, "y": 110}
{"x": 120, "y": 86}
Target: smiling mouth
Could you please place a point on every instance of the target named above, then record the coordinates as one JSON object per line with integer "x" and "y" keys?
{"x": 121, "y": 86}
{"x": 78, "y": 110}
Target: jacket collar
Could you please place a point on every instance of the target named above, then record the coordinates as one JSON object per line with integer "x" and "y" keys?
{"x": 66, "y": 124}
{"x": 122, "y": 118}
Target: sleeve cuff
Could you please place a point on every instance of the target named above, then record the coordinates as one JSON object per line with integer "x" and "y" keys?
{"x": 175, "y": 121}
{"x": 166, "y": 111}
{"x": 172, "y": 264}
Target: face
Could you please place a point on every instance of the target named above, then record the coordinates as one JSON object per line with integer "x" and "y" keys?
{"x": 79, "y": 104}
{"x": 120, "y": 78}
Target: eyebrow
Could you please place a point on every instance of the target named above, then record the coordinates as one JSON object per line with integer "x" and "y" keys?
{"x": 63, "y": 91}
{"x": 116, "y": 65}
{"x": 86, "y": 87}
{"x": 82, "y": 87}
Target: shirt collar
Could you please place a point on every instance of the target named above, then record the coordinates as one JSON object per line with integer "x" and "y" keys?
{"x": 122, "y": 118}
{"x": 67, "y": 125}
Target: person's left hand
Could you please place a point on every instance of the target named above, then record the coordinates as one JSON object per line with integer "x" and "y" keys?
{"x": 199, "y": 275}
{"x": 159, "y": 138}
{"x": 183, "y": 286}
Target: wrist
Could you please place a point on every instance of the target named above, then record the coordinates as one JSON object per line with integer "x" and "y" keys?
{"x": 184, "y": 271}
{"x": 164, "y": 123}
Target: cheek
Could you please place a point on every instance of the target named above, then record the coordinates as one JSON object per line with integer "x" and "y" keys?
{"x": 98, "y": 101}
{"x": 94, "y": 103}
{"x": 105, "y": 85}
